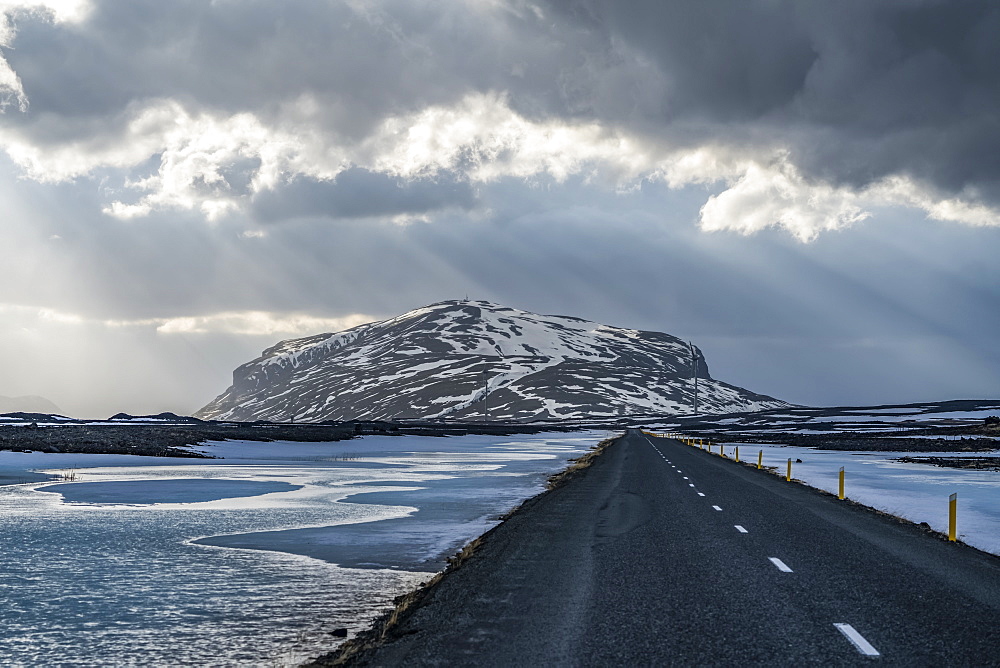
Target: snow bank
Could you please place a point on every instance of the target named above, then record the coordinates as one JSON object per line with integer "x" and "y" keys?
{"x": 917, "y": 492}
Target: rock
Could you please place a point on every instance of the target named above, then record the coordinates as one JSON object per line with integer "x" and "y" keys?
{"x": 339, "y": 633}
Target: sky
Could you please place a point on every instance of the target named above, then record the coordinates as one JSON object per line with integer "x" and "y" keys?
{"x": 808, "y": 191}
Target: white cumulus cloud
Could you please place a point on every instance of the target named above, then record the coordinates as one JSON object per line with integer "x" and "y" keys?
{"x": 777, "y": 195}
{"x": 243, "y": 323}
{"x": 260, "y": 323}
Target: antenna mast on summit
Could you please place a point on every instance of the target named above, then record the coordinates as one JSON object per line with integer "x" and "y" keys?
{"x": 486, "y": 395}
{"x": 694, "y": 371}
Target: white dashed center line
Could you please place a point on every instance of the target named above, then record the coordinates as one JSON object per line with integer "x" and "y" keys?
{"x": 701, "y": 494}
{"x": 717, "y": 508}
{"x": 780, "y": 564}
{"x": 690, "y": 484}
{"x": 740, "y": 529}
{"x": 686, "y": 478}
{"x": 857, "y": 640}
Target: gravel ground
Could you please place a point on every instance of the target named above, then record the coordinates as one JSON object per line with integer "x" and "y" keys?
{"x": 153, "y": 440}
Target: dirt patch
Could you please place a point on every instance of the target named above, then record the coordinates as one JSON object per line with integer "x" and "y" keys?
{"x": 154, "y": 440}
{"x": 580, "y": 463}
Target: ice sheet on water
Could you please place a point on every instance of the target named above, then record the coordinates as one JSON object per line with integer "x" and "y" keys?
{"x": 126, "y": 584}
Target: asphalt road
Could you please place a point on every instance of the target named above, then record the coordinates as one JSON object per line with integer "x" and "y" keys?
{"x": 661, "y": 554}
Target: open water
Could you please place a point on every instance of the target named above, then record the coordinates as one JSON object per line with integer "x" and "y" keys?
{"x": 105, "y": 570}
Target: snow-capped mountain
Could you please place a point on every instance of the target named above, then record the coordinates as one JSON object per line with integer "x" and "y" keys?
{"x": 439, "y": 360}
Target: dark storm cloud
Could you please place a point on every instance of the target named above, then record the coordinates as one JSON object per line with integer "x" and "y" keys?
{"x": 363, "y": 61}
{"x": 858, "y": 90}
{"x": 854, "y": 90}
{"x": 360, "y": 193}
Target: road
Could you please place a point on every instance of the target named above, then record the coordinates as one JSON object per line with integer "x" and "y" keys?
{"x": 663, "y": 554}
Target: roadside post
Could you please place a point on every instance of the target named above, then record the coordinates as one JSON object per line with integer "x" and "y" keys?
{"x": 737, "y": 456}
{"x": 760, "y": 459}
{"x": 953, "y": 517}
{"x": 788, "y": 474}
{"x": 840, "y": 492}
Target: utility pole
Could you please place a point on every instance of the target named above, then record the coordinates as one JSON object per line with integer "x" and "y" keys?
{"x": 486, "y": 395}
{"x": 694, "y": 371}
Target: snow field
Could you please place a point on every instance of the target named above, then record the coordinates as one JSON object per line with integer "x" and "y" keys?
{"x": 916, "y": 492}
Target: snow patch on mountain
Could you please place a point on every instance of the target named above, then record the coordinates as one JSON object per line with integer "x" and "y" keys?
{"x": 470, "y": 360}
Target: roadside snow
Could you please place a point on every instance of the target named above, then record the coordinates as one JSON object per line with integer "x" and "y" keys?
{"x": 917, "y": 492}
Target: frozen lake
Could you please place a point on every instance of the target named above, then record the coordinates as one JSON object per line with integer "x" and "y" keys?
{"x": 124, "y": 565}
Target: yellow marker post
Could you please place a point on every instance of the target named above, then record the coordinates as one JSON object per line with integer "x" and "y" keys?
{"x": 953, "y": 517}
{"x": 760, "y": 459}
{"x": 788, "y": 474}
{"x": 737, "y": 454}
{"x": 722, "y": 450}
{"x": 840, "y": 493}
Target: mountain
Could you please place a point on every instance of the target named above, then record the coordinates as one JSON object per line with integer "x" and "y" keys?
{"x": 164, "y": 418}
{"x": 435, "y": 362}
{"x": 27, "y": 404}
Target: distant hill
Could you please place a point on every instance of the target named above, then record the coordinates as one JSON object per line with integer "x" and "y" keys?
{"x": 27, "y": 404}
{"x": 163, "y": 418}
{"x": 435, "y": 361}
